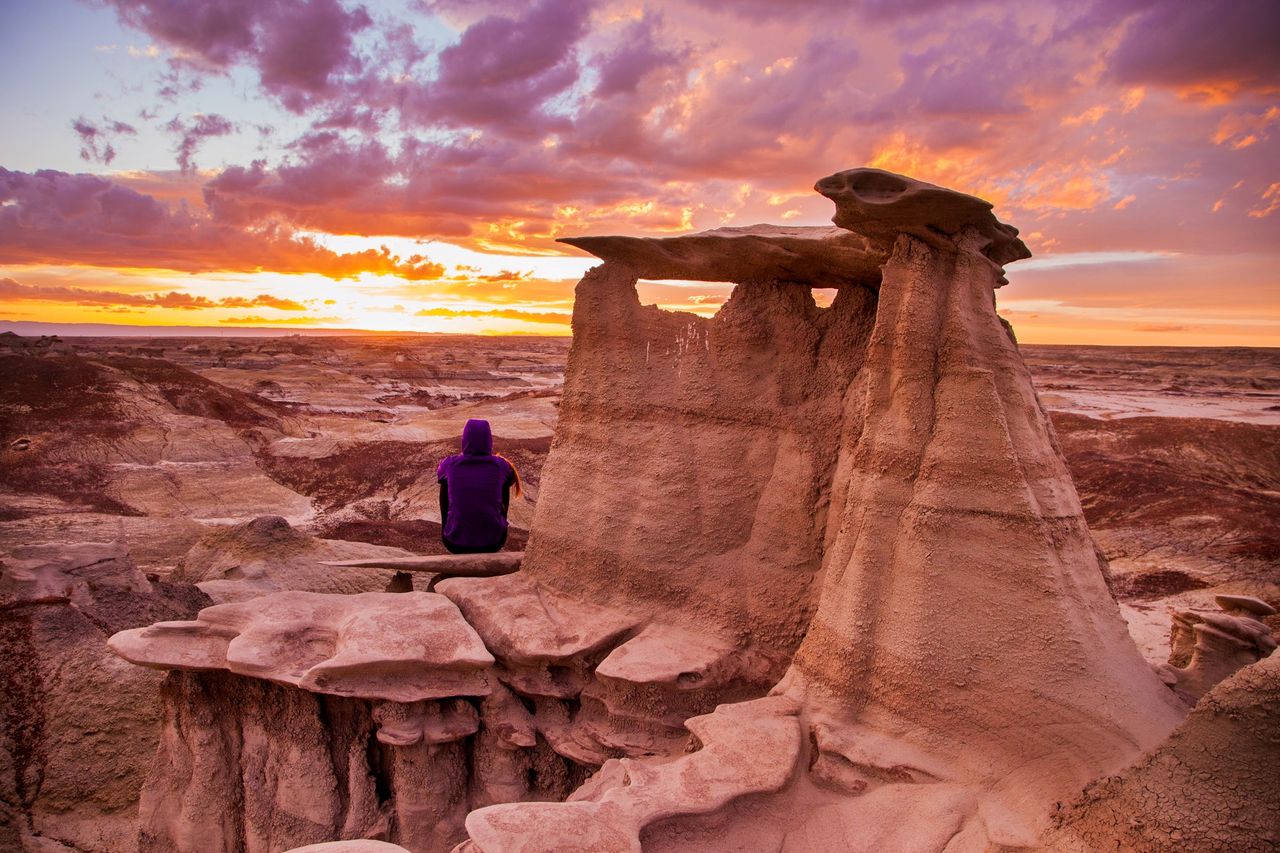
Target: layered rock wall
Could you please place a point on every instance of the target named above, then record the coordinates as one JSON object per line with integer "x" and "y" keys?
{"x": 691, "y": 470}
{"x": 78, "y": 726}
{"x": 964, "y": 610}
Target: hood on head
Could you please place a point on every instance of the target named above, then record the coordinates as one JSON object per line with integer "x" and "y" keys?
{"x": 477, "y": 439}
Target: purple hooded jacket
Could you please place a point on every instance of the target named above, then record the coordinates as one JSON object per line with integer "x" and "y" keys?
{"x": 474, "y": 492}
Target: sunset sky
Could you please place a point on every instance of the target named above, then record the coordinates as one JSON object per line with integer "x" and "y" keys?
{"x": 407, "y": 165}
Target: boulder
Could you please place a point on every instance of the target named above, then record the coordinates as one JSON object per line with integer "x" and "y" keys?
{"x": 267, "y": 555}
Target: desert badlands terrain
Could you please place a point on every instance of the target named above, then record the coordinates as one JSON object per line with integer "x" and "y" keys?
{"x": 863, "y": 577}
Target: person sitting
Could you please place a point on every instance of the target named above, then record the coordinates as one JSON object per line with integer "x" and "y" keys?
{"x": 475, "y": 493}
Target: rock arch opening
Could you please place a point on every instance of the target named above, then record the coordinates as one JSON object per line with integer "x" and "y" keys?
{"x": 698, "y": 298}
{"x": 823, "y": 297}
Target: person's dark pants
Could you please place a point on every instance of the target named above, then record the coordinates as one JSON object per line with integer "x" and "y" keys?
{"x": 453, "y": 548}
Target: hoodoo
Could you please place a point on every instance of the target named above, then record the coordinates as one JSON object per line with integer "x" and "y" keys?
{"x": 840, "y": 546}
{"x": 966, "y": 666}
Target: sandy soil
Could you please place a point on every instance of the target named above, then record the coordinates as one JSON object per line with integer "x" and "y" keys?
{"x": 1230, "y": 384}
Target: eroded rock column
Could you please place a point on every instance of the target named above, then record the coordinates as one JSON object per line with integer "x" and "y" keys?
{"x": 297, "y": 718}
{"x": 963, "y": 612}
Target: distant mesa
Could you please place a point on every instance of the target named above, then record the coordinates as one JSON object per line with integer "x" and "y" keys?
{"x": 39, "y": 345}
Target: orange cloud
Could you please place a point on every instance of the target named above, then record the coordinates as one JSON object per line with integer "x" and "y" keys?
{"x": 503, "y": 313}
{"x": 256, "y": 320}
{"x": 1240, "y": 130}
{"x": 13, "y": 290}
{"x": 1272, "y": 196}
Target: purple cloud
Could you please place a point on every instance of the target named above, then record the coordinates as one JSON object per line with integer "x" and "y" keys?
{"x": 539, "y": 118}
{"x": 97, "y": 141}
{"x": 503, "y": 70}
{"x": 639, "y": 52}
{"x": 299, "y": 47}
{"x": 870, "y": 9}
{"x": 192, "y": 134}
{"x": 51, "y": 217}
{"x": 1184, "y": 44}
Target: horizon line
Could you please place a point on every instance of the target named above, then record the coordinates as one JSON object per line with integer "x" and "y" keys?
{"x": 117, "y": 330}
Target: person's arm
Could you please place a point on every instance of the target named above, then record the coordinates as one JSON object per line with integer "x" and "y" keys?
{"x": 506, "y": 493}
{"x": 444, "y": 502}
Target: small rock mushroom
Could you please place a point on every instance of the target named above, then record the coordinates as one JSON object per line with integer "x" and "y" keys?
{"x": 1206, "y": 648}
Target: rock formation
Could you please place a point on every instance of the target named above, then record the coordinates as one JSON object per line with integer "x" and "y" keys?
{"x": 839, "y": 546}
{"x": 441, "y": 566}
{"x": 78, "y": 726}
{"x": 361, "y": 846}
{"x": 268, "y": 555}
{"x": 1206, "y": 648}
{"x": 403, "y": 647}
{"x": 965, "y": 659}
{"x": 327, "y": 716}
